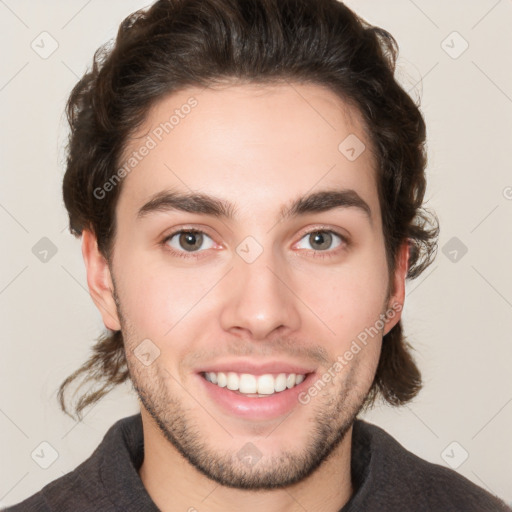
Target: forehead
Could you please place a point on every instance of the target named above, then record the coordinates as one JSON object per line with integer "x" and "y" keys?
{"x": 256, "y": 145}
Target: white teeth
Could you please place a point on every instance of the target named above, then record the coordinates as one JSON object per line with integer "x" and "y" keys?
{"x": 266, "y": 384}
{"x": 221, "y": 379}
{"x": 232, "y": 379}
{"x": 247, "y": 383}
{"x": 280, "y": 383}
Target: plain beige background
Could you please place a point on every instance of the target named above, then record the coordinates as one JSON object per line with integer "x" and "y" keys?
{"x": 458, "y": 315}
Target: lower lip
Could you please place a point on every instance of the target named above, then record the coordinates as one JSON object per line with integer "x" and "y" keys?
{"x": 256, "y": 408}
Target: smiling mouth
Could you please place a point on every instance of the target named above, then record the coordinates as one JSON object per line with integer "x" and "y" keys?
{"x": 250, "y": 385}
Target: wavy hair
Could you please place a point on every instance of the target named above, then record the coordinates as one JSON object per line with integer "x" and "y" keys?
{"x": 174, "y": 44}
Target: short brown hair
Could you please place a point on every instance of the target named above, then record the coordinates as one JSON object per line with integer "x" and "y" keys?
{"x": 179, "y": 43}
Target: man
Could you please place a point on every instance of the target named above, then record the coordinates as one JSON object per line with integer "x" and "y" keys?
{"x": 247, "y": 178}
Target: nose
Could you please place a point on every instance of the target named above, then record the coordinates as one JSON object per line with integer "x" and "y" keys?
{"x": 258, "y": 299}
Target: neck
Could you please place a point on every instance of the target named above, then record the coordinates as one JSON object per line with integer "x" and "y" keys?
{"x": 175, "y": 485}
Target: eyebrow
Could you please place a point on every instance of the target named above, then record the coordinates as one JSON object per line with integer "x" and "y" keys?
{"x": 200, "y": 203}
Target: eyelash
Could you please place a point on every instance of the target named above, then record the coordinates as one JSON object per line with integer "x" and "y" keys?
{"x": 197, "y": 254}
{"x": 183, "y": 254}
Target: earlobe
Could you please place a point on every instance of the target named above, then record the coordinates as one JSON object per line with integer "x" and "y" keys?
{"x": 99, "y": 281}
{"x": 396, "y": 301}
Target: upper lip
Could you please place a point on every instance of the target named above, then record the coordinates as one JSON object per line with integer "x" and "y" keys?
{"x": 254, "y": 368}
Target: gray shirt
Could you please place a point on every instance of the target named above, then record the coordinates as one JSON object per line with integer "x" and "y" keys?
{"x": 386, "y": 477}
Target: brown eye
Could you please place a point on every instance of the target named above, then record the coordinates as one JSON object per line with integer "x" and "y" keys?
{"x": 322, "y": 240}
{"x": 188, "y": 241}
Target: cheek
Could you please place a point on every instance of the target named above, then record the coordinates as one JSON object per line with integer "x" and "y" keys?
{"x": 350, "y": 297}
{"x": 156, "y": 297}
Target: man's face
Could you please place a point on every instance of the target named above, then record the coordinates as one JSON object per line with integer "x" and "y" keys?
{"x": 252, "y": 293}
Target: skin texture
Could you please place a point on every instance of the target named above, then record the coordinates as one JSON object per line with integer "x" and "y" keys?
{"x": 259, "y": 147}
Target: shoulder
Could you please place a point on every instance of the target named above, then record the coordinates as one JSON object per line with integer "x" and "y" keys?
{"x": 68, "y": 492}
{"x": 87, "y": 487}
{"x": 406, "y": 480}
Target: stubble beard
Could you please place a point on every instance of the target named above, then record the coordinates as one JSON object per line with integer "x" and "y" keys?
{"x": 334, "y": 413}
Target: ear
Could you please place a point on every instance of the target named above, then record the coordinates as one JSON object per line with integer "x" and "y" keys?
{"x": 397, "y": 298}
{"x": 99, "y": 281}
